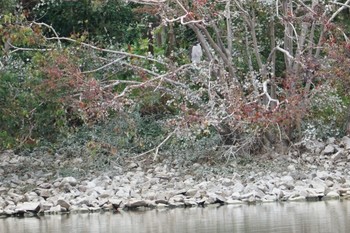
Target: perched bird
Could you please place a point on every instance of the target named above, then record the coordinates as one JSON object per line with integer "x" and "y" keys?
{"x": 196, "y": 54}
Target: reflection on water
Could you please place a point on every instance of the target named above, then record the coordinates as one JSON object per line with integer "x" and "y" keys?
{"x": 316, "y": 217}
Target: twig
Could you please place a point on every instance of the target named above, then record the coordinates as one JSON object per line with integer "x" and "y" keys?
{"x": 156, "y": 149}
{"x": 107, "y": 50}
{"x": 266, "y": 93}
{"x": 26, "y": 49}
{"x": 104, "y": 66}
{"x": 343, "y": 6}
{"x": 53, "y": 30}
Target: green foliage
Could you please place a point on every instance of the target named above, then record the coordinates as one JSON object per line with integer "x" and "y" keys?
{"x": 7, "y": 6}
{"x": 109, "y": 21}
{"x": 327, "y": 115}
{"x": 123, "y": 134}
{"x": 26, "y": 117}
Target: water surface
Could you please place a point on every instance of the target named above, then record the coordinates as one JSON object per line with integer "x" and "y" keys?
{"x": 310, "y": 217}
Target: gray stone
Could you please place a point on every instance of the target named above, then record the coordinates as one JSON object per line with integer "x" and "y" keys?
{"x": 332, "y": 195}
{"x": 31, "y": 196}
{"x": 249, "y": 188}
{"x": 190, "y": 203}
{"x": 278, "y": 193}
{"x": 123, "y": 193}
{"x": 33, "y": 207}
{"x": 269, "y": 198}
{"x": 3, "y": 190}
{"x": 177, "y": 198}
{"x": 10, "y": 209}
{"x": 297, "y": 198}
{"x": 191, "y": 192}
{"x": 16, "y": 198}
{"x": 44, "y": 193}
{"x": 63, "y": 204}
{"x": 2, "y": 203}
{"x": 330, "y": 140}
{"x": 291, "y": 167}
{"x": 346, "y": 142}
{"x": 226, "y": 182}
{"x": 329, "y": 183}
{"x": 45, "y": 185}
{"x": 314, "y": 146}
{"x": 69, "y": 180}
{"x": 46, "y": 205}
{"x": 55, "y": 209}
{"x": 235, "y": 196}
{"x": 322, "y": 175}
{"x": 137, "y": 204}
{"x": 317, "y": 183}
{"x": 337, "y": 156}
{"x": 343, "y": 191}
{"x": 233, "y": 202}
{"x": 329, "y": 149}
{"x": 287, "y": 181}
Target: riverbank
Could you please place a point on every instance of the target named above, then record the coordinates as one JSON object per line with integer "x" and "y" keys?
{"x": 53, "y": 183}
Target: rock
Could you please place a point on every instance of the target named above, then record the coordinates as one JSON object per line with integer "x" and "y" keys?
{"x": 63, "y": 204}
{"x": 329, "y": 149}
{"x": 226, "y": 182}
{"x": 330, "y": 140}
{"x": 313, "y": 146}
{"x": 269, "y": 198}
{"x": 44, "y": 193}
{"x": 45, "y": 206}
{"x": 343, "y": 191}
{"x": 84, "y": 201}
{"x": 346, "y": 142}
{"x": 123, "y": 193}
{"x": 3, "y": 190}
{"x": 106, "y": 194}
{"x": 322, "y": 175}
{"x": 33, "y": 207}
{"x": 191, "y": 192}
{"x": 329, "y": 183}
{"x": 137, "y": 204}
{"x": 2, "y": 203}
{"x": 291, "y": 167}
{"x": 190, "y": 202}
{"x": 251, "y": 200}
{"x": 297, "y": 198}
{"x": 331, "y": 195}
{"x": 337, "y": 156}
{"x": 31, "y": 196}
{"x": 235, "y": 196}
{"x": 16, "y": 198}
{"x": 10, "y": 210}
{"x": 250, "y": 187}
{"x": 317, "y": 183}
{"x": 45, "y": 186}
{"x": 177, "y": 198}
{"x": 55, "y": 209}
{"x": 278, "y": 193}
{"x": 69, "y": 180}
{"x": 287, "y": 181}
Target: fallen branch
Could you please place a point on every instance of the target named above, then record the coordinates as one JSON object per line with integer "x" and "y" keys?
{"x": 104, "y": 66}
{"x": 156, "y": 149}
{"x": 107, "y": 50}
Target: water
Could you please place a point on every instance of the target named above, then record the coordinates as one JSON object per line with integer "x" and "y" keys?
{"x": 314, "y": 217}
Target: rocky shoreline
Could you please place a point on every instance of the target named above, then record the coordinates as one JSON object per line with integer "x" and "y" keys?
{"x": 311, "y": 171}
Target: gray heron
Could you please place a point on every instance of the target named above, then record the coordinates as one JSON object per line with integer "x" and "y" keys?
{"x": 196, "y": 54}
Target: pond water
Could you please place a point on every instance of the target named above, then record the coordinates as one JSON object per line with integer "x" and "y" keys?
{"x": 299, "y": 217}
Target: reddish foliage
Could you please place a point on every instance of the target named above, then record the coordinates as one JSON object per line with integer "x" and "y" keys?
{"x": 81, "y": 94}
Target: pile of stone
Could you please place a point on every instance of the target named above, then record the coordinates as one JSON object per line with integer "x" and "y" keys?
{"x": 316, "y": 171}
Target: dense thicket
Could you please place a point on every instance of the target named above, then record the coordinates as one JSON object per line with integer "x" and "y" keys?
{"x": 271, "y": 74}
